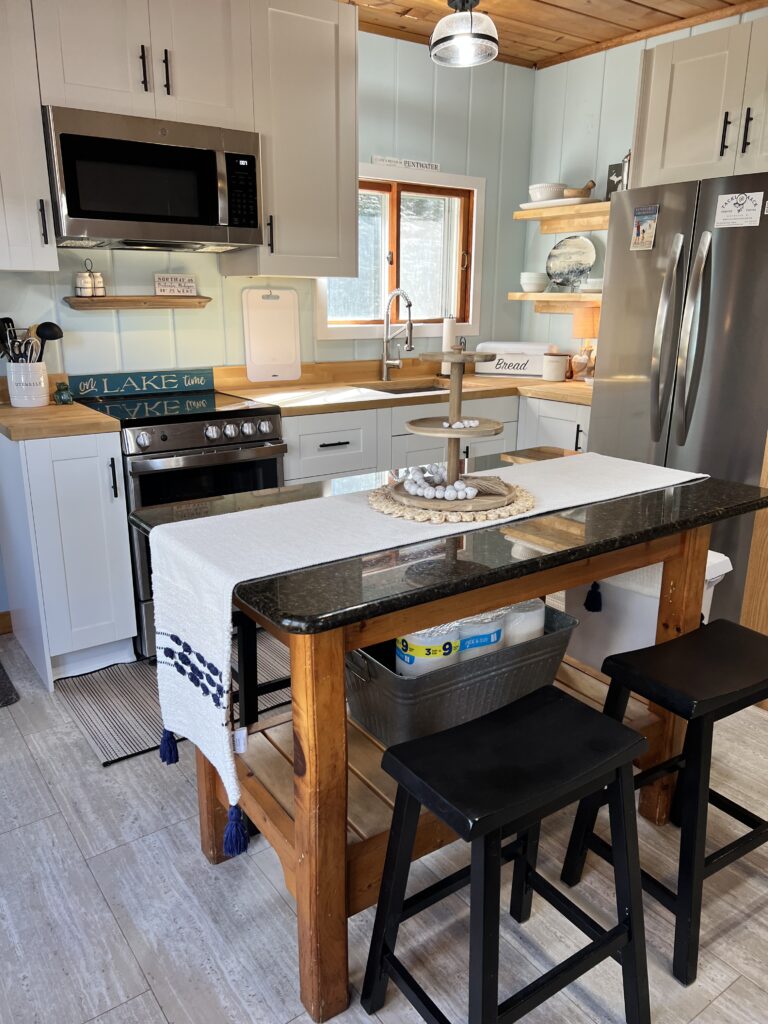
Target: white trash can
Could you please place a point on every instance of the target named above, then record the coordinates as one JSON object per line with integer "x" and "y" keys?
{"x": 630, "y": 607}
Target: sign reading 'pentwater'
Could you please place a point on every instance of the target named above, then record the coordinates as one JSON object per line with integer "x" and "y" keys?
{"x": 141, "y": 382}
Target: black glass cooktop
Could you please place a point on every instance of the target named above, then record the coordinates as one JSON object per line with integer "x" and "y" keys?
{"x": 139, "y": 410}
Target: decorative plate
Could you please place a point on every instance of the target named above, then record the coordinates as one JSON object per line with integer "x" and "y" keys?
{"x": 571, "y": 260}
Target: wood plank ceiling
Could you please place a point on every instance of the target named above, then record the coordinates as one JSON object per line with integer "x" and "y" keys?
{"x": 539, "y": 33}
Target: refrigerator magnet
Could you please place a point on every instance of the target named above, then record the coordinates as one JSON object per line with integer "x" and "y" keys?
{"x": 739, "y": 210}
{"x": 644, "y": 223}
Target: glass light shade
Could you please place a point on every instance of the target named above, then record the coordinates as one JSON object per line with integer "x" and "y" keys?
{"x": 464, "y": 40}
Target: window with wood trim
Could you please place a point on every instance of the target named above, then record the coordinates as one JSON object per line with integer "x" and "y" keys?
{"x": 414, "y": 237}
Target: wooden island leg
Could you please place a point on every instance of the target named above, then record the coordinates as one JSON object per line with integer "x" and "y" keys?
{"x": 682, "y": 590}
{"x": 320, "y": 815}
{"x": 213, "y": 814}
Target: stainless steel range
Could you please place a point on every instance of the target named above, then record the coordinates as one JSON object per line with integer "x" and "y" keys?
{"x": 190, "y": 446}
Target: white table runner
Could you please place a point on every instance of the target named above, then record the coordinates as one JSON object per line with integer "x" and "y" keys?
{"x": 196, "y": 564}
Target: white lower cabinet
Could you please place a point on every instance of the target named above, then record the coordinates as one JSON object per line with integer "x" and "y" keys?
{"x": 66, "y": 555}
{"x": 553, "y": 424}
{"x": 330, "y": 444}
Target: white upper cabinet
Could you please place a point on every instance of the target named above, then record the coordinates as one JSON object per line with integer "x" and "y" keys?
{"x": 752, "y": 142}
{"x": 201, "y": 61}
{"x": 309, "y": 138}
{"x": 92, "y": 54}
{"x": 26, "y": 225}
{"x": 180, "y": 60}
{"x": 690, "y": 108}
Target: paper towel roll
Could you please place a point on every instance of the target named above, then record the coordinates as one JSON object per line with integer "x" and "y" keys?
{"x": 449, "y": 340}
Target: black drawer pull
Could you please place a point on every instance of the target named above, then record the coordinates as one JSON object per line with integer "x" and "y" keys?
{"x": 334, "y": 444}
{"x": 579, "y": 432}
{"x": 113, "y": 469}
{"x": 747, "y": 122}
{"x": 143, "y": 59}
{"x": 167, "y": 64}
{"x": 271, "y": 229}
{"x": 723, "y": 145}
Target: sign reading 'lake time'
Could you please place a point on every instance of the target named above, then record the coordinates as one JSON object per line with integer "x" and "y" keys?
{"x": 141, "y": 382}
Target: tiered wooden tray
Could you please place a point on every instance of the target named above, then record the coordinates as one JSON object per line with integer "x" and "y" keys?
{"x": 494, "y": 498}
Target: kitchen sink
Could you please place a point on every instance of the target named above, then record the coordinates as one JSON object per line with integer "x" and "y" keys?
{"x": 404, "y": 388}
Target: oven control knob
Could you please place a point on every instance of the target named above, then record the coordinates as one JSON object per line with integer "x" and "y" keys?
{"x": 265, "y": 426}
{"x": 143, "y": 439}
{"x": 230, "y": 430}
{"x": 212, "y": 432}
{"x": 248, "y": 428}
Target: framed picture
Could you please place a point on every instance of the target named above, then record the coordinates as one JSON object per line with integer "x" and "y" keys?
{"x": 614, "y": 178}
{"x": 175, "y": 284}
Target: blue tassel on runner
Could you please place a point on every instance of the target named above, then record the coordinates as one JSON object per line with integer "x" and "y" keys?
{"x": 169, "y": 750}
{"x": 594, "y": 599}
{"x": 235, "y": 834}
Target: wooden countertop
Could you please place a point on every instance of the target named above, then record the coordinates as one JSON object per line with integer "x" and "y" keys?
{"x": 294, "y": 400}
{"x": 54, "y": 421}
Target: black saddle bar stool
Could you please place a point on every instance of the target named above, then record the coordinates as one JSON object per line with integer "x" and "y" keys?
{"x": 490, "y": 779}
{"x": 702, "y": 677}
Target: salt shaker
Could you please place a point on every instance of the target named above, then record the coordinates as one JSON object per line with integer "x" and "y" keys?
{"x": 98, "y": 283}
{"x": 84, "y": 284}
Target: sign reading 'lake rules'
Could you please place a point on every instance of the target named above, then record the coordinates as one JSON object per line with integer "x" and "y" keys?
{"x": 141, "y": 382}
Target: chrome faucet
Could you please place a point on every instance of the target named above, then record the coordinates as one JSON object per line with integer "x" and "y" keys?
{"x": 386, "y": 362}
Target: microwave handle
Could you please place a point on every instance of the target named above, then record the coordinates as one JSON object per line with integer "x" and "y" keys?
{"x": 222, "y": 187}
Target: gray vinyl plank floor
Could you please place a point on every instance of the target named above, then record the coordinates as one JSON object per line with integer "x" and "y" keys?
{"x": 109, "y": 914}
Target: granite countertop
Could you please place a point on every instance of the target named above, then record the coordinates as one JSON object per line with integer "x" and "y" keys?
{"x": 340, "y": 593}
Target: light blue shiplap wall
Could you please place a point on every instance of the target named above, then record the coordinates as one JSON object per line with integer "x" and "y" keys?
{"x": 583, "y": 119}
{"x": 476, "y": 123}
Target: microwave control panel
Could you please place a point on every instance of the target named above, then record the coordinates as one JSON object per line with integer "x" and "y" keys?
{"x": 241, "y": 187}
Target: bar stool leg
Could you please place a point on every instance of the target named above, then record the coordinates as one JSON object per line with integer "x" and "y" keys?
{"x": 629, "y": 896}
{"x": 405, "y": 820}
{"x": 522, "y": 893}
{"x": 485, "y": 896}
{"x": 586, "y": 815}
{"x": 690, "y": 882}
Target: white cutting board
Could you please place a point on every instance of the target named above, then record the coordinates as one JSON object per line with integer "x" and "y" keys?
{"x": 272, "y": 337}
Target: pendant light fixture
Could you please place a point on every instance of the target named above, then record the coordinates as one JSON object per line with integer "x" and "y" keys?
{"x": 464, "y": 39}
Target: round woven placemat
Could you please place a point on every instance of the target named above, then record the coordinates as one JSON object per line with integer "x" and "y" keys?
{"x": 520, "y": 501}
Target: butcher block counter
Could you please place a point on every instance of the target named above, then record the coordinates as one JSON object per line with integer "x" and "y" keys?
{"x": 54, "y": 421}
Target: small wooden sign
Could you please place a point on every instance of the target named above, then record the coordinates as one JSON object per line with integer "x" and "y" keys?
{"x": 175, "y": 284}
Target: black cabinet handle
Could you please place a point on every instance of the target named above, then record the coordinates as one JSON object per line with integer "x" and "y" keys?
{"x": 465, "y": 451}
{"x": 747, "y": 122}
{"x": 334, "y": 444}
{"x": 113, "y": 469}
{"x": 43, "y": 221}
{"x": 726, "y": 124}
{"x": 143, "y": 59}
{"x": 579, "y": 432}
{"x": 167, "y": 66}
{"x": 271, "y": 229}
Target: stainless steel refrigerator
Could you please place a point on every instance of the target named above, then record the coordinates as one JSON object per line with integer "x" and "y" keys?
{"x": 682, "y": 363}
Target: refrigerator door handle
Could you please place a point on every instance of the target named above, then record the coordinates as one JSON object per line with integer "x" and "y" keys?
{"x": 660, "y": 392}
{"x": 684, "y": 401}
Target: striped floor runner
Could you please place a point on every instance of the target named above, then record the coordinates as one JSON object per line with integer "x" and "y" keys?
{"x": 117, "y": 708}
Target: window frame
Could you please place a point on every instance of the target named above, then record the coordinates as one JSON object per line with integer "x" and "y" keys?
{"x": 394, "y": 181}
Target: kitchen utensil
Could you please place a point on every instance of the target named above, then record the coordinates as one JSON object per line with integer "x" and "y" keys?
{"x": 579, "y": 193}
{"x": 30, "y": 350}
{"x": 272, "y": 336}
{"x": 544, "y": 191}
{"x": 48, "y": 331}
{"x": 6, "y": 326}
{"x": 570, "y": 261}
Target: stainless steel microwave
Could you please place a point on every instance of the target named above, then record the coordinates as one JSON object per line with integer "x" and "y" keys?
{"x": 121, "y": 182}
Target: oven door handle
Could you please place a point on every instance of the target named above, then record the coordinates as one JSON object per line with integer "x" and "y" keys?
{"x": 139, "y": 465}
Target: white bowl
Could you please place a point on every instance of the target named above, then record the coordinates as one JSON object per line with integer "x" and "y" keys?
{"x": 543, "y": 191}
{"x": 531, "y": 282}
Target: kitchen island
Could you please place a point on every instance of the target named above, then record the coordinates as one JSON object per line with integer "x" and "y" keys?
{"x": 312, "y": 784}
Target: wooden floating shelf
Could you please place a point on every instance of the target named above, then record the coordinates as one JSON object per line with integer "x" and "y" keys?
{"x": 563, "y": 220}
{"x": 137, "y": 302}
{"x": 558, "y": 302}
